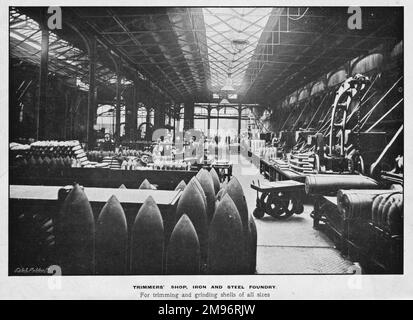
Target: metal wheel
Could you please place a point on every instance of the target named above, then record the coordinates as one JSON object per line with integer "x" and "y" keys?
{"x": 279, "y": 206}
{"x": 299, "y": 207}
{"x": 258, "y": 213}
{"x": 338, "y": 124}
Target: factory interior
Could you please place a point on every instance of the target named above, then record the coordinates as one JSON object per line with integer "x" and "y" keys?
{"x": 206, "y": 140}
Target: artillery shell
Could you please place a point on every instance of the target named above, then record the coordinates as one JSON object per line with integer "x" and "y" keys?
{"x": 32, "y": 162}
{"x": 252, "y": 246}
{"x": 221, "y": 194}
{"x": 53, "y": 163}
{"x": 60, "y": 162}
{"x": 385, "y": 211}
{"x": 380, "y": 210}
{"x": 226, "y": 241}
{"x": 395, "y": 218}
{"x": 375, "y": 208}
{"x": 234, "y": 190}
{"x": 111, "y": 239}
{"x": 381, "y": 213}
{"x": 46, "y": 161}
{"x": 192, "y": 204}
{"x": 67, "y": 161}
{"x": 183, "y": 254}
{"x": 207, "y": 185}
{"x": 181, "y": 186}
{"x": 39, "y": 162}
{"x": 215, "y": 180}
{"x": 75, "y": 230}
{"x": 147, "y": 240}
{"x": 146, "y": 185}
{"x": 201, "y": 191}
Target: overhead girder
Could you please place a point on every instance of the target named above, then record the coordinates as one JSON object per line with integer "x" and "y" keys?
{"x": 137, "y": 42}
{"x": 324, "y": 47}
{"x": 170, "y": 47}
{"x": 192, "y": 49}
{"x": 158, "y": 62}
{"x": 131, "y": 66}
{"x": 326, "y": 66}
{"x": 58, "y": 59}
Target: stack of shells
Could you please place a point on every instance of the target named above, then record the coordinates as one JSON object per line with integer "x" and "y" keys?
{"x": 51, "y": 162}
{"x": 387, "y": 211}
{"x": 52, "y": 155}
{"x": 213, "y": 234}
{"x": 215, "y": 219}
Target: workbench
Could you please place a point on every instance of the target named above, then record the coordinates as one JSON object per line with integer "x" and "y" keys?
{"x": 99, "y": 177}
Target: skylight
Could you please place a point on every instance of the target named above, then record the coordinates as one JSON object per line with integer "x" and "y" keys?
{"x": 232, "y": 36}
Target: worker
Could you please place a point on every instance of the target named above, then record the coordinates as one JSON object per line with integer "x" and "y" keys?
{"x": 275, "y": 140}
{"x": 144, "y": 159}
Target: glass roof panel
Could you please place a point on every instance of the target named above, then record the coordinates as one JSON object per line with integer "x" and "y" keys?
{"x": 232, "y": 36}
{"x": 64, "y": 58}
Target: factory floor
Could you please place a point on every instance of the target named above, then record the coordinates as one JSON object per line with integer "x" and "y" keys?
{"x": 291, "y": 246}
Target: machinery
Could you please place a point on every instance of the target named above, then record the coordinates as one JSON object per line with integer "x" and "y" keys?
{"x": 279, "y": 199}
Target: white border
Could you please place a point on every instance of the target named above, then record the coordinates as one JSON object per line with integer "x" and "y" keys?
{"x": 288, "y": 286}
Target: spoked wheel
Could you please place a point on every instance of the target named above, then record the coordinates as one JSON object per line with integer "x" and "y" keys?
{"x": 279, "y": 205}
{"x": 298, "y": 205}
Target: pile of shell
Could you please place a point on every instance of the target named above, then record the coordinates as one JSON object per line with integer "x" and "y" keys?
{"x": 213, "y": 234}
{"x": 387, "y": 212}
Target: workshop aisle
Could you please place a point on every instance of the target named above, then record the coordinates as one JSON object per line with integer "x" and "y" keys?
{"x": 290, "y": 246}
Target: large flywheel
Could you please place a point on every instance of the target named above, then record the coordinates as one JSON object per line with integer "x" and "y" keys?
{"x": 352, "y": 87}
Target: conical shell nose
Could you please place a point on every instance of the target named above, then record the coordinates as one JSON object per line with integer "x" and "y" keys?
{"x": 183, "y": 255}
{"x": 76, "y": 197}
{"x": 111, "y": 239}
{"x": 149, "y": 211}
{"x": 146, "y": 185}
{"x": 252, "y": 242}
{"x": 32, "y": 161}
{"x": 215, "y": 179}
{"x": 226, "y": 242}
{"x": 112, "y": 209}
{"x": 221, "y": 194}
{"x": 192, "y": 203}
{"x": 122, "y": 186}
{"x": 60, "y": 162}
{"x": 195, "y": 182}
{"x": 53, "y": 163}
{"x": 234, "y": 190}
{"x": 147, "y": 240}
{"x": 46, "y": 161}
{"x": 75, "y": 230}
{"x": 181, "y": 186}
{"x": 207, "y": 185}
